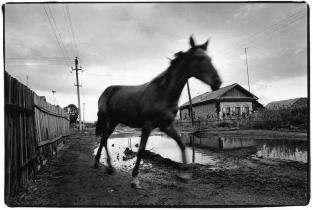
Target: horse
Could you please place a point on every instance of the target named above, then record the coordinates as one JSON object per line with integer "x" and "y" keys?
{"x": 153, "y": 104}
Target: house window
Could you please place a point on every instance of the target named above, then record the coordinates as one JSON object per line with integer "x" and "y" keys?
{"x": 237, "y": 110}
{"x": 185, "y": 116}
{"x": 246, "y": 110}
{"x": 227, "y": 111}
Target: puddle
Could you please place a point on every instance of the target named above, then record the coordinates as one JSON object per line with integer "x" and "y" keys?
{"x": 162, "y": 145}
{"x": 286, "y": 150}
{"x": 207, "y": 150}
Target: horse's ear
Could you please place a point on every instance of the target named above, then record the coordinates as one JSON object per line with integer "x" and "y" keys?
{"x": 205, "y": 45}
{"x": 191, "y": 41}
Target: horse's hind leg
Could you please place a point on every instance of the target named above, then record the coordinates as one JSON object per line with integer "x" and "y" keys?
{"x": 173, "y": 133}
{"x": 103, "y": 142}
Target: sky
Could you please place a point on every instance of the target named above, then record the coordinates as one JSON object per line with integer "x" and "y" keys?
{"x": 130, "y": 43}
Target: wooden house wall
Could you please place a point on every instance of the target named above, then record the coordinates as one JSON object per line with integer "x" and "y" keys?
{"x": 235, "y": 92}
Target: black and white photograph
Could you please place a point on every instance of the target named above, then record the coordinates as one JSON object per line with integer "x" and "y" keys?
{"x": 156, "y": 104}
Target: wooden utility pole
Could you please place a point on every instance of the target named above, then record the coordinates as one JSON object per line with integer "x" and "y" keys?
{"x": 190, "y": 104}
{"x": 27, "y": 80}
{"x": 78, "y": 95}
{"x": 53, "y": 92}
{"x": 247, "y": 68}
{"x": 84, "y": 114}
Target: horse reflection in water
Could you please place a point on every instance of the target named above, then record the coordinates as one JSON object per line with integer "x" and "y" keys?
{"x": 153, "y": 104}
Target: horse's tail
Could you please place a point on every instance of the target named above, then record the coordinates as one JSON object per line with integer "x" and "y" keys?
{"x": 103, "y": 119}
{"x": 101, "y": 123}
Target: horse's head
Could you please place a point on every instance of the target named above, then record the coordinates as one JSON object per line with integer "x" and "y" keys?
{"x": 201, "y": 67}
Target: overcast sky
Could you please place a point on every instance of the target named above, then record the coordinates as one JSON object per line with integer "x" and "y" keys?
{"x": 129, "y": 44}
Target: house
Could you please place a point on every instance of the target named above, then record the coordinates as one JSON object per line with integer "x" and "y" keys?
{"x": 226, "y": 102}
{"x": 290, "y": 103}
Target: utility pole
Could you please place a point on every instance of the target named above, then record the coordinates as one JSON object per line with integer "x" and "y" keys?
{"x": 78, "y": 95}
{"x": 53, "y": 92}
{"x": 84, "y": 113}
{"x": 190, "y": 104}
{"x": 247, "y": 68}
{"x": 27, "y": 80}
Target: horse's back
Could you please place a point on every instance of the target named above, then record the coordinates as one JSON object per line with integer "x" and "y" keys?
{"x": 132, "y": 105}
{"x": 117, "y": 95}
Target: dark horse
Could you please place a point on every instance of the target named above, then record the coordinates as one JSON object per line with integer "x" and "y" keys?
{"x": 154, "y": 104}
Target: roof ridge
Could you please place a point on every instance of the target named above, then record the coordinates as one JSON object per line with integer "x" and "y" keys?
{"x": 206, "y": 95}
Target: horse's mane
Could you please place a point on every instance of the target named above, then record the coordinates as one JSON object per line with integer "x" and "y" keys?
{"x": 178, "y": 57}
{"x": 173, "y": 63}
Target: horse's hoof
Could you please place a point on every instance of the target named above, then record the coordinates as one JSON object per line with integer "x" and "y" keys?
{"x": 110, "y": 171}
{"x": 184, "y": 176}
{"x": 135, "y": 183}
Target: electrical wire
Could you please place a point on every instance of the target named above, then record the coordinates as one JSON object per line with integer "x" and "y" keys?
{"x": 264, "y": 29}
{"x": 56, "y": 37}
{"x": 260, "y": 38}
{"x": 259, "y": 35}
{"x": 71, "y": 29}
{"x": 58, "y": 31}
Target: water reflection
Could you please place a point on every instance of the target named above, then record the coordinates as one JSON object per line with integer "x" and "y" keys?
{"x": 284, "y": 150}
{"x": 162, "y": 145}
{"x": 270, "y": 149}
{"x": 205, "y": 150}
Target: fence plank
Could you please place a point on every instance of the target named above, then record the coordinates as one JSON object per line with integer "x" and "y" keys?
{"x": 27, "y": 117}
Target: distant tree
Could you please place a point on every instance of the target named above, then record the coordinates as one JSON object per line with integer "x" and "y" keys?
{"x": 73, "y": 112}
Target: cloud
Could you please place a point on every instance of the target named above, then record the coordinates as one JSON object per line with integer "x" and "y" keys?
{"x": 247, "y": 10}
{"x": 125, "y": 43}
{"x": 281, "y": 89}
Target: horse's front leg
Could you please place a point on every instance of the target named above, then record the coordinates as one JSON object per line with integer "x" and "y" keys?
{"x": 173, "y": 133}
{"x": 144, "y": 137}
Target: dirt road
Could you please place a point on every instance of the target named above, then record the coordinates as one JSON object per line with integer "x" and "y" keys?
{"x": 71, "y": 180}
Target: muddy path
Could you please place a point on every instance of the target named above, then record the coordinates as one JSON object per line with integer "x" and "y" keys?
{"x": 70, "y": 180}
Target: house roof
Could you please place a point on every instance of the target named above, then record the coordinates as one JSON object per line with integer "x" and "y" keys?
{"x": 283, "y": 103}
{"x": 215, "y": 95}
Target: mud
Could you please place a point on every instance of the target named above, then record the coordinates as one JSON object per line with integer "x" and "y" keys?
{"x": 129, "y": 154}
{"x": 70, "y": 180}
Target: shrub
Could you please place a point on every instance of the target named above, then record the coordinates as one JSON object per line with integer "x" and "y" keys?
{"x": 224, "y": 124}
{"x": 281, "y": 118}
{"x": 228, "y": 123}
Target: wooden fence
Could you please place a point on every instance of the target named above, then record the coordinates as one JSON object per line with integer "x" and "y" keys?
{"x": 186, "y": 125}
{"x": 52, "y": 124}
{"x": 32, "y": 130}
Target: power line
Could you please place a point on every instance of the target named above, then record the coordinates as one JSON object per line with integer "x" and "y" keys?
{"x": 280, "y": 30}
{"x": 73, "y": 50}
{"x": 71, "y": 28}
{"x": 58, "y": 32}
{"x": 260, "y": 38}
{"x": 266, "y": 28}
{"x": 56, "y": 37}
{"x": 264, "y": 32}
{"x": 37, "y": 63}
{"x": 37, "y": 59}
